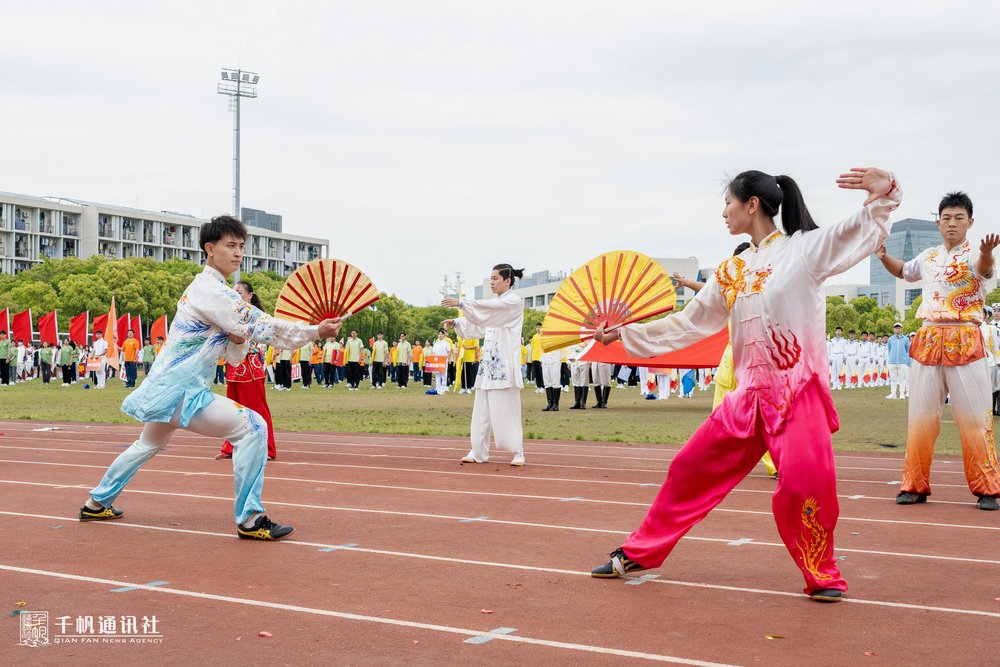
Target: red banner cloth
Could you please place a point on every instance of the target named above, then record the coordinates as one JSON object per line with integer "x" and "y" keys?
{"x": 21, "y": 327}
{"x": 5, "y": 321}
{"x": 48, "y": 329}
{"x": 706, "y": 353}
{"x": 137, "y": 327}
{"x": 122, "y": 329}
{"x": 158, "y": 330}
{"x": 340, "y": 356}
{"x": 78, "y": 328}
{"x": 100, "y": 324}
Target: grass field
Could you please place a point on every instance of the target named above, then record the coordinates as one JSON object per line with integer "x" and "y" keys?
{"x": 868, "y": 421}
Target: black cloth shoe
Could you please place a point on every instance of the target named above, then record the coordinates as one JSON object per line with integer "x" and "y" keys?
{"x": 618, "y": 565}
{"x": 583, "y": 396}
{"x": 577, "y": 393}
{"x": 264, "y": 529}
{"x": 907, "y": 498}
{"x": 827, "y": 595}
{"x": 988, "y": 503}
{"x": 103, "y": 514}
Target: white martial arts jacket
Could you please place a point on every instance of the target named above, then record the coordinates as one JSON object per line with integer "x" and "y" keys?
{"x": 838, "y": 345}
{"x": 207, "y": 312}
{"x": 774, "y": 298}
{"x": 499, "y": 322}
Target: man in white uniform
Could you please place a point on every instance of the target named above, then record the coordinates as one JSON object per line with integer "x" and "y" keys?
{"x": 579, "y": 371}
{"x": 442, "y": 347}
{"x": 551, "y": 367}
{"x": 22, "y": 357}
{"x": 851, "y": 357}
{"x": 838, "y": 355}
{"x": 101, "y": 352}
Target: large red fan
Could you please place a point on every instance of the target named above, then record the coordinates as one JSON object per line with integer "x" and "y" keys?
{"x": 325, "y": 288}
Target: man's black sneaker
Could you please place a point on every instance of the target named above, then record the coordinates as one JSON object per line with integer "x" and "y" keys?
{"x": 618, "y": 565}
{"x": 907, "y": 498}
{"x": 827, "y": 595}
{"x": 103, "y": 514}
{"x": 264, "y": 529}
{"x": 988, "y": 503}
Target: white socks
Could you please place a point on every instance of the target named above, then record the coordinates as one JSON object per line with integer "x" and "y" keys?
{"x": 252, "y": 520}
{"x": 92, "y": 505}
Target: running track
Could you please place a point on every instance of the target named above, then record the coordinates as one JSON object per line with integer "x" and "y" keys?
{"x": 437, "y": 542}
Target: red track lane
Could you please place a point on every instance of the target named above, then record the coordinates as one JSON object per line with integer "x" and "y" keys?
{"x": 922, "y": 578}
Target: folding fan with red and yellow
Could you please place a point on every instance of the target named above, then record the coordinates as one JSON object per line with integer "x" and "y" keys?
{"x": 325, "y": 288}
{"x": 615, "y": 289}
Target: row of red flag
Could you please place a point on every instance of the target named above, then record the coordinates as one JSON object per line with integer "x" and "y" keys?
{"x": 19, "y": 327}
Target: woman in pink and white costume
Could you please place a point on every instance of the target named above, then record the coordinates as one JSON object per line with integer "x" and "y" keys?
{"x": 772, "y": 293}
{"x": 497, "y": 407}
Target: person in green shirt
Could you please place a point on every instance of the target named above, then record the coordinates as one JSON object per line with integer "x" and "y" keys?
{"x": 148, "y": 357}
{"x": 45, "y": 359}
{"x": 404, "y": 357}
{"x": 380, "y": 352}
{"x": 305, "y": 352}
{"x": 66, "y": 361}
{"x": 353, "y": 360}
{"x": 74, "y": 361}
{"x": 4, "y": 364}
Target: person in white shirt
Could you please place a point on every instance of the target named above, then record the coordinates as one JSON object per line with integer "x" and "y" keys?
{"x": 442, "y": 348}
{"x": 989, "y": 345}
{"x": 101, "y": 352}
{"x": 773, "y": 296}
{"x": 497, "y": 406}
{"x": 551, "y": 367}
{"x": 851, "y": 358}
{"x": 864, "y": 365}
{"x": 838, "y": 357}
{"x": 579, "y": 371}
{"x": 22, "y": 357}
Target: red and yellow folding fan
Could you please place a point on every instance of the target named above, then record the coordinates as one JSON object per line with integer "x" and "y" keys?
{"x": 325, "y": 288}
{"x": 615, "y": 289}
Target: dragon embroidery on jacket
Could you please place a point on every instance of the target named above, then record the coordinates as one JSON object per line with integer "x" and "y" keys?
{"x": 962, "y": 301}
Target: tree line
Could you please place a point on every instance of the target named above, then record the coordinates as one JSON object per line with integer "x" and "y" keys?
{"x": 151, "y": 289}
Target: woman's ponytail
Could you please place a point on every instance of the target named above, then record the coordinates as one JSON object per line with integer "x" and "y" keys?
{"x": 794, "y": 214}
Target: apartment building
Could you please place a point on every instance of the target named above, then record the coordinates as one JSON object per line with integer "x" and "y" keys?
{"x": 33, "y": 229}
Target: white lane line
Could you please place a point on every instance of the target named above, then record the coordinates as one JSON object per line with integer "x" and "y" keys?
{"x": 432, "y": 472}
{"x": 375, "y": 619}
{"x": 484, "y": 519}
{"x": 725, "y": 540}
{"x": 393, "y": 487}
{"x": 534, "y": 568}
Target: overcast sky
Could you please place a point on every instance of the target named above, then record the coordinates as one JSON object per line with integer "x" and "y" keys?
{"x": 424, "y": 138}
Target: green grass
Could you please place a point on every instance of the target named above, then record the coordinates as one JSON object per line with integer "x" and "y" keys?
{"x": 866, "y": 418}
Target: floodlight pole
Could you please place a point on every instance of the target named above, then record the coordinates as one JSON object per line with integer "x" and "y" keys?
{"x": 236, "y": 84}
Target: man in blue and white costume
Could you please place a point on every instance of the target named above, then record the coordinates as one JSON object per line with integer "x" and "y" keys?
{"x": 212, "y": 320}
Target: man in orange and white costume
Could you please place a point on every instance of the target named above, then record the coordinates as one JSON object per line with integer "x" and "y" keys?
{"x": 773, "y": 295}
{"x": 949, "y": 355}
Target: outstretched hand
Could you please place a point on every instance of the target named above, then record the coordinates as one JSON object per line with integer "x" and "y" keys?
{"x": 449, "y": 302}
{"x": 989, "y": 242}
{"x": 603, "y": 337}
{"x": 331, "y": 327}
{"x": 447, "y": 324}
{"x": 877, "y": 182}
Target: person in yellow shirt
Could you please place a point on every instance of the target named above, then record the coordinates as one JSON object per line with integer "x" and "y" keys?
{"x": 524, "y": 360}
{"x": 380, "y": 355}
{"x": 393, "y": 356}
{"x": 354, "y": 355}
{"x": 470, "y": 364}
{"x": 428, "y": 377}
{"x": 130, "y": 350}
{"x": 536, "y": 359}
{"x": 404, "y": 357}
